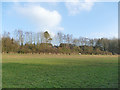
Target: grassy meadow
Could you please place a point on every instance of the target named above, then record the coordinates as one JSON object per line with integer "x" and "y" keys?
{"x": 59, "y": 71}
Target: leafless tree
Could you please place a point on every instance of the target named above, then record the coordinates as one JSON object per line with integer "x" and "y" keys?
{"x": 60, "y": 37}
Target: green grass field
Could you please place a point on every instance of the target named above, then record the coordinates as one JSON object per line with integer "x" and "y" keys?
{"x": 59, "y": 71}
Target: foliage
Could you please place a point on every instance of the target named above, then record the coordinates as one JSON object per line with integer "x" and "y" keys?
{"x": 41, "y": 43}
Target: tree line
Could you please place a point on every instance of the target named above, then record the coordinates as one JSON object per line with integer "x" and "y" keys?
{"x": 41, "y": 42}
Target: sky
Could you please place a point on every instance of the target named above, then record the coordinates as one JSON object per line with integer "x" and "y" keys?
{"x": 88, "y": 19}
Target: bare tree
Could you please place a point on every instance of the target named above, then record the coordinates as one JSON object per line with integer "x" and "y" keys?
{"x": 91, "y": 42}
{"x": 38, "y": 36}
{"x": 64, "y": 38}
{"x": 34, "y": 37}
{"x": 19, "y": 36}
{"x": 41, "y": 36}
{"x": 81, "y": 41}
{"x": 60, "y": 37}
{"x": 69, "y": 38}
{"x": 27, "y": 37}
{"x": 6, "y": 34}
{"x": 76, "y": 42}
{"x": 30, "y": 37}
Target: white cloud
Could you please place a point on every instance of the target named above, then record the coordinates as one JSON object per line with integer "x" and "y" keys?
{"x": 78, "y": 6}
{"x": 43, "y": 18}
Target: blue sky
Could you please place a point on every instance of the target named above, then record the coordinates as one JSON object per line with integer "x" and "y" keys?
{"x": 93, "y": 20}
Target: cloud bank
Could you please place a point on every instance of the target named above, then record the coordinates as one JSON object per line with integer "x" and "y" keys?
{"x": 48, "y": 20}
